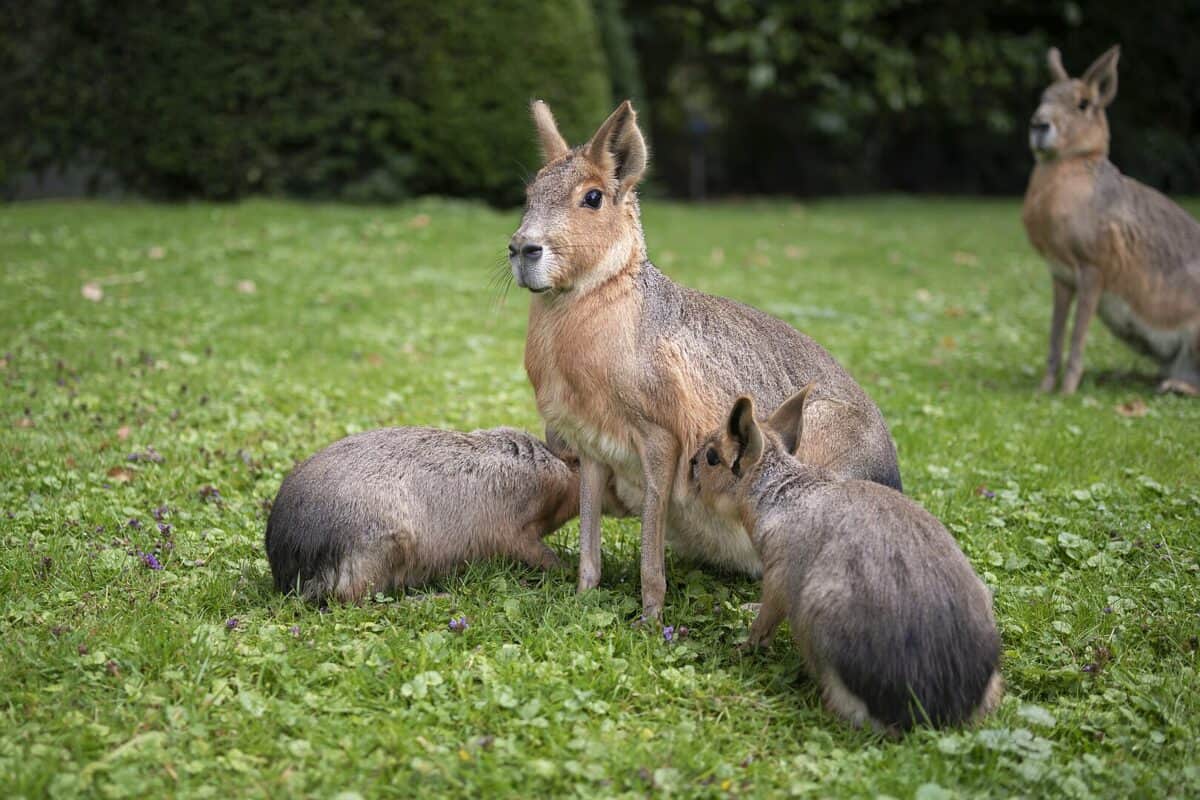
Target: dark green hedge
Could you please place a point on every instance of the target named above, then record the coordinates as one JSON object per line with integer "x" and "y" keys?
{"x": 813, "y": 98}
{"x": 372, "y": 101}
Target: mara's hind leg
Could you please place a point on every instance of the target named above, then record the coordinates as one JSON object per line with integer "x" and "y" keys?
{"x": 842, "y": 702}
{"x": 1183, "y": 375}
{"x": 991, "y": 698}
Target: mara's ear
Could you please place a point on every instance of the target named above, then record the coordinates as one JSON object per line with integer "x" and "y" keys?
{"x": 551, "y": 141}
{"x": 788, "y": 419}
{"x": 1054, "y": 61}
{"x": 1102, "y": 75}
{"x": 618, "y": 147}
{"x": 744, "y": 430}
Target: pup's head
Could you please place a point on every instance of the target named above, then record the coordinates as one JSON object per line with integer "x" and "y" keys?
{"x": 581, "y": 223}
{"x": 1070, "y": 119}
{"x": 731, "y": 457}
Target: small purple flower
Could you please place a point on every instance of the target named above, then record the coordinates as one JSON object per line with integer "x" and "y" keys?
{"x": 135, "y": 523}
{"x": 669, "y": 633}
{"x": 160, "y": 512}
{"x": 232, "y": 623}
{"x": 294, "y": 630}
{"x": 458, "y": 625}
{"x": 150, "y": 560}
{"x": 1108, "y": 609}
{"x": 164, "y": 529}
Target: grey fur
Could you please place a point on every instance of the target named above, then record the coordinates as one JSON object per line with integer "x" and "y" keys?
{"x": 397, "y": 507}
{"x": 886, "y": 610}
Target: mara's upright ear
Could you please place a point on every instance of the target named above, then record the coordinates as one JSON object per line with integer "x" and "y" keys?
{"x": 743, "y": 429}
{"x": 618, "y": 148}
{"x": 551, "y": 141}
{"x": 788, "y": 419}
{"x": 1102, "y": 75}
{"x": 1054, "y": 61}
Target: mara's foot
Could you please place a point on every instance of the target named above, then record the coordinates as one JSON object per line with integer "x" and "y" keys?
{"x": 1179, "y": 386}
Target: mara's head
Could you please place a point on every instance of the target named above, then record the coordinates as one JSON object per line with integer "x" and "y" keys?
{"x": 1070, "y": 118}
{"x": 731, "y": 455}
{"x": 581, "y": 223}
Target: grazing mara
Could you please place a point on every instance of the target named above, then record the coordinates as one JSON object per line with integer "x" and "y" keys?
{"x": 632, "y": 370}
{"x": 1116, "y": 247}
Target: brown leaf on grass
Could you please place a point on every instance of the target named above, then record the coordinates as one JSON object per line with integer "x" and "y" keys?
{"x": 3, "y": 363}
{"x": 92, "y": 291}
{"x": 247, "y": 287}
{"x": 949, "y": 343}
{"x": 157, "y": 253}
{"x": 1134, "y": 408}
{"x": 419, "y": 221}
{"x": 954, "y": 312}
{"x": 374, "y": 359}
{"x": 965, "y": 259}
{"x": 25, "y": 422}
{"x": 123, "y": 432}
{"x": 120, "y": 474}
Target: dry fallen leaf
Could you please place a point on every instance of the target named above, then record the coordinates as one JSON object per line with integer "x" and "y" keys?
{"x": 92, "y": 291}
{"x": 156, "y": 252}
{"x": 120, "y": 474}
{"x": 247, "y": 287}
{"x": 374, "y": 359}
{"x": 948, "y": 343}
{"x": 793, "y": 252}
{"x": 965, "y": 259}
{"x": 954, "y": 312}
{"x": 419, "y": 221}
{"x": 3, "y": 363}
{"x": 25, "y": 422}
{"x": 123, "y": 432}
{"x": 923, "y": 296}
{"x": 1134, "y": 408}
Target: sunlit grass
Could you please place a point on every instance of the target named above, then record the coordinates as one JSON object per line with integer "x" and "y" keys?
{"x": 234, "y": 340}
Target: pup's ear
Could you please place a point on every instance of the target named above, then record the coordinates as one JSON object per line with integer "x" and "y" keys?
{"x": 788, "y": 419}
{"x": 551, "y": 141}
{"x": 1102, "y": 75}
{"x": 619, "y": 149}
{"x": 1054, "y": 61}
{"x": 743, "y": 429}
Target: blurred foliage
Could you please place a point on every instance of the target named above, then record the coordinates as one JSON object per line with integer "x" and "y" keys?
{"x": 381, "y": 101}
{"x": 337, "y": 99}
{"x": 902, "y": 94}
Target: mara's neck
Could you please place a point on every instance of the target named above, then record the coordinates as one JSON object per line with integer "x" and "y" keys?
{"x": 777, "y": 480}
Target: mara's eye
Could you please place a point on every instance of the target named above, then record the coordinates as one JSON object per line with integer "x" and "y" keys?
{"x": 712, "y": 458}
{"x": 593, "y": 199}
{"x": 1083, "y": 104}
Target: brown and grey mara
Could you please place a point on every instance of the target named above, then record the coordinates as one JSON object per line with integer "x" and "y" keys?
{"x": 1115, "y": 247}
{"x": 398, "y": 507}
{"x": 887, "y": 612}
{"x": 632, "y": 370}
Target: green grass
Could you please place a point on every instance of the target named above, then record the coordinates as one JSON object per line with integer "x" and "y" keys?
{"x": 118, "y": 680}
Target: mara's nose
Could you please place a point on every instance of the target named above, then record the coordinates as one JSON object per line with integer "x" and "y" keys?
{"x": 1038, "y": 125}
{"x": 527, "y": 250}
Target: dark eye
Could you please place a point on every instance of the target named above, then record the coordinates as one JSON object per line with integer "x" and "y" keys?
{"x": 712, "y": 458}
{"x": 1083, "y": 104}
{"x": 593, "y": 199}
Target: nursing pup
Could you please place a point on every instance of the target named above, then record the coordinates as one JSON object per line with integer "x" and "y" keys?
{"x": 1113, "y": 246}
{"x": 633, "y": 370}
{"x": 397, "y": 507}
{"x": 888, "y": 614}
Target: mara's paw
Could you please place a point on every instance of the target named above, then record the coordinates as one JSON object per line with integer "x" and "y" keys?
{"x": 1179, "y": 386}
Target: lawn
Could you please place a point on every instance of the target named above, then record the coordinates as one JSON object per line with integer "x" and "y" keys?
{"x": 163, "y": 368}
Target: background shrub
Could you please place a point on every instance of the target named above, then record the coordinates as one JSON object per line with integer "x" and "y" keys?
{"x": 376, "y": 101}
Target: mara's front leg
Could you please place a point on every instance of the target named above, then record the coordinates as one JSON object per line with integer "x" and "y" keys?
{"x": 593, "y": 481}
{"x": 1063, "y": 294}
{"x": 1089, "y": 288}
{"x": 659, "y": 451}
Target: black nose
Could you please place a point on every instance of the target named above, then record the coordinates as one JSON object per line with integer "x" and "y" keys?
{"x": 512, "y": 250}
{"x": 1039, "y": 127}
{"x": 531, "y": 252}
